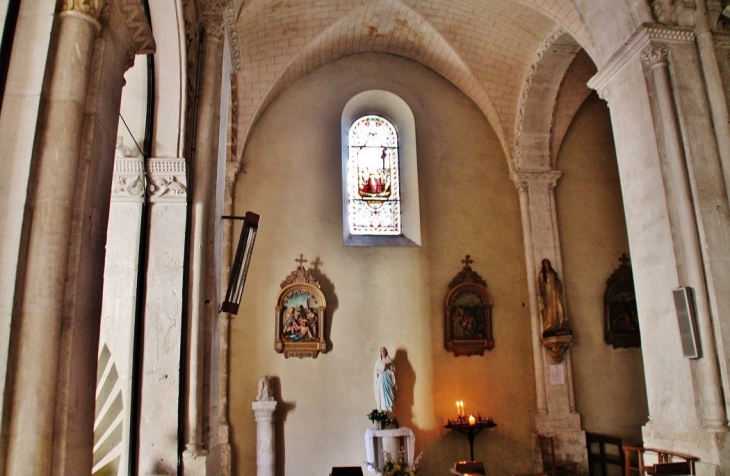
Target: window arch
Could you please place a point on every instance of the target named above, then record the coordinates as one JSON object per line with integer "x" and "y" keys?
{"x": 379, "y": 172}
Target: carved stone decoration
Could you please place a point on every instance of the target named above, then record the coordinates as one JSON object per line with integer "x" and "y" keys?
{"x": 300, "y": 315}
{"x": 654, "y": 55}
{"x": 89, "y": 7}
{"x": 128, "y": 184}
{"x": 264, "y": 393}
{"x": 167, "y": 180}
{"x": 558, "y": 345}
{"x": 621, "y": 319}
{"x": 468, "y": 314}
{"x": 674, "y": 12}
{"x": 229, "y": 20}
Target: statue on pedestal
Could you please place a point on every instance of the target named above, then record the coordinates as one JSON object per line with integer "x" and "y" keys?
{"x": 551, "y": 300}
{"x": 384, "y": 381}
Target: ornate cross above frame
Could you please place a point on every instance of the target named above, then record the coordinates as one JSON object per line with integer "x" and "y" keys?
{"x": 468, "y": 314}
{"x": 300, "y": 315}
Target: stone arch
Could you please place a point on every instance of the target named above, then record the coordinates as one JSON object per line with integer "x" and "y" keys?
{"x": 534, "y": 124}
{"x": 394, "y": 28}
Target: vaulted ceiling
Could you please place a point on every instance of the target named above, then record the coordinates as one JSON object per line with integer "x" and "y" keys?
{"x": 487, "y": 48}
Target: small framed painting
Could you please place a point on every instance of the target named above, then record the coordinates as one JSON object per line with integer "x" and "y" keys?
{"x": 300, "y": 315}
{"x": 468, "y": 314}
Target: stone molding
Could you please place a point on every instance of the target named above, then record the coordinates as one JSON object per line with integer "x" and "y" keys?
{"x": 167, "y": 179}
{"x": 721, "y": 39}
{"x": 128, "y": 183}
{"x": 644, "y": 35}
{"x": 522, "y": 101}
{"x": 138, "y": 26}
{"x": 229, "y": 21}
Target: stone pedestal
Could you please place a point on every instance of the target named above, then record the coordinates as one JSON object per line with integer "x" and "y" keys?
{"x": 265, "y": 448}
{"x": 393, "y": 441}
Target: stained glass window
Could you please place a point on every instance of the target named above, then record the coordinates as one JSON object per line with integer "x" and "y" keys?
{"x": 373, "y": 187}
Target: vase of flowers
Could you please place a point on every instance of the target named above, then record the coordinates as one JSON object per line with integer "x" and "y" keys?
{"x": 380, "y": 418}
{"x": 396, "y": 465}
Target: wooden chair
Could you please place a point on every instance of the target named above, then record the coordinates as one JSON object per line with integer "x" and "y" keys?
{"x": 667, "y": 462}
{"x": 550, "y": 464}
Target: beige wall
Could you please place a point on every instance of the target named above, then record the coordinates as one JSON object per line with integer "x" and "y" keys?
{"x": 609, "y": 383}
{"x": 382, "y": 296}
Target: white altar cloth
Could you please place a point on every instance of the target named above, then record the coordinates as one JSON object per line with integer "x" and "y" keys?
{"x": 374, "y": 445}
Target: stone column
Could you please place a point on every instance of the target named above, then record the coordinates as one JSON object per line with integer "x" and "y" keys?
{"x": 265, "y": 438}
{"x": 160, "y": 379}
{"x": 556, "y": 415}
{"x": 120, "y": 282}
{"x": 203, "y": 293}
{"x": 31, "y": 437}
{"x": 676, "y": 216}
{"x": 710, "y": 405}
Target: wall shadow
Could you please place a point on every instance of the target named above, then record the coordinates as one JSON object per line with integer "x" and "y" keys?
{"x": 282, "y": 411}
{"x": 405, "y": 379}
{"x": 328, "y": 289}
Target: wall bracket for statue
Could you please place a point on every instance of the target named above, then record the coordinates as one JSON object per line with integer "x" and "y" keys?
{"x": 300, "y": 315}
{"x": 620, "y": 315}
{"x": 468, "y": 314}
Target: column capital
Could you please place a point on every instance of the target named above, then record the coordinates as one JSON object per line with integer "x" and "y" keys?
{"x": 167, "y": 180}
{"x": 88, "y": 10}
{"x": 644, "y": 35}
{"x": 128, "y": 184}
{"x": 524, "y": 179}
{"x": 655, "y": 55}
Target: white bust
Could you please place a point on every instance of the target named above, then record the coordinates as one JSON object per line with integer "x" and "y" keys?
{"x": 264, "y": 390}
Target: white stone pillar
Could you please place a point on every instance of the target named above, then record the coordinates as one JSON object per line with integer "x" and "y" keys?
{"x": 160, "y": 379}
{"x": 556, "y": 415}
{"x": 265, "y": 449}
{"x": 31, "y": 435}
{"x": 676, "y": 216}
{"x": 710, "y": 405}
{"x": 120, "y": 280}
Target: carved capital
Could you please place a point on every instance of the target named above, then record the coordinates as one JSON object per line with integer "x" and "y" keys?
{"x": 92, "y": 8}
{"x": 128, "y": 183}
{"x": 655, "y": 55}
{"x": 167, "y": 180}
{"x": 529, "y": 180}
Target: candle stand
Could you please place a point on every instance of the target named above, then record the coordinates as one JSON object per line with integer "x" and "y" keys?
{"x": 463, "y": 426}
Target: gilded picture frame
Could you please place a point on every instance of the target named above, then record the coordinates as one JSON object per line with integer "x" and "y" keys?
{"x": 468, "y": 314}
{"x": 300, "y": 316}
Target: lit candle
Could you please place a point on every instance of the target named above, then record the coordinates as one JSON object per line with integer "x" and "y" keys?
{"x": 472, "y": 420}
{"x": 458, "y": 408}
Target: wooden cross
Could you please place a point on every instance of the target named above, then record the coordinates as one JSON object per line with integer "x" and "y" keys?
{"x": 625, "y": 260}
{"x": 301, "y": 260}
{"x": 467, "y": 261}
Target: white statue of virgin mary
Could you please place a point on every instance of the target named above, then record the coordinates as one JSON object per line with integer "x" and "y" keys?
{"x": 384, "y": 381}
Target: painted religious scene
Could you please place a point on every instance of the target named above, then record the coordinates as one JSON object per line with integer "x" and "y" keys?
{"x": 373, "y": 179}
{"x": 300, "y": 316}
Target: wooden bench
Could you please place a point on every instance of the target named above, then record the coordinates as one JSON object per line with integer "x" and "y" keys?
{"x": 667, "y": 462}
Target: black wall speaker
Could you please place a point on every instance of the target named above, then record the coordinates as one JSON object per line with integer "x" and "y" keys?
{"x": 684, "y": 304}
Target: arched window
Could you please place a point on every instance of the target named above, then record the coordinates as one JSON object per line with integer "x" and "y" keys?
{"x": 373, "y": 182}
{"x": 379, "y": 172}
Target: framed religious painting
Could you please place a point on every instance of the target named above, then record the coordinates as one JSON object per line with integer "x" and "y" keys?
{"x": 621, "y": 317}
{"x": 300, "y": 315}
{"x": 468, "y": 314}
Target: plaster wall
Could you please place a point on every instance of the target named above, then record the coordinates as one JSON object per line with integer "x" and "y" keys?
{"x": 610, "y": 392}
{"x": 389, "y": 297}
